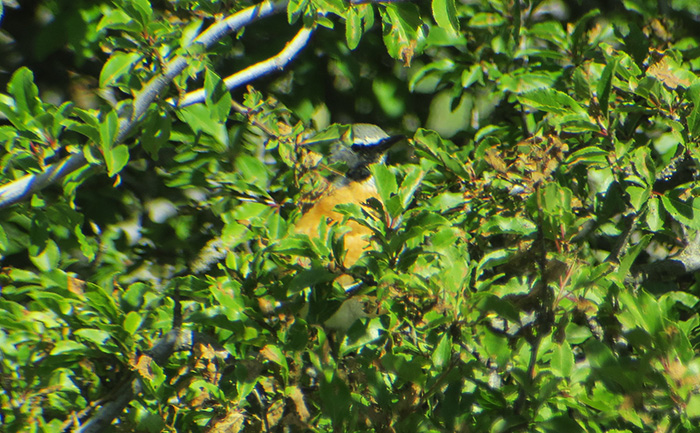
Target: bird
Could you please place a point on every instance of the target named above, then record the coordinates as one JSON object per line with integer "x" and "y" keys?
{"x": 369, "y": 144}
{"x": 356, "y": 185}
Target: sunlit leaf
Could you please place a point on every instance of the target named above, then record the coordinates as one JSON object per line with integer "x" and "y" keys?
{"x": 685, "y": 211}
{"x": 353, "y": 28}
{"x": 445, "y": 14}
{"x": 551, "y": 101}
{"x": 119, "y": 65}
{"x": 24, "y": 91}
{"x": 562, "y": 359}
{"x": 604, "y": 87}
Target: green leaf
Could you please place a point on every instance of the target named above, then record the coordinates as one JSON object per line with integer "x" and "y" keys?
{"x": 685, "y": 211}
{"x": 693, "y": 94}
{"x": 501, "y": 224}
{"x": 295, "y": 8}
{"x": 4, "y": 243}
{"x": 140, "y": 10}
{"x": 475, "y": 74}
{"x": 551, "y": 101}
{"x": 598, "y": 354}
{"x": 96, "y": 336}
{"x": 577, "y": 36}
{"x": 253, "y": 171}
{"x": 408, "y": 367}
{"x": 133, "y": 297}
{"x": 638, "y": 196}
{"x": 217, "y": 97}
{"x": 190, "y": 32}
{"x": 155, "y": 381}
{"x": 522, "y": 81}
{"x": 275, "y": 354}
{"x": 61, "y": 114}
{"x": 25, "y": 92}
{"x": 556, "y": 202}
{"x": 630, "y": 256}
{"x": 653, "y": 216}
{"x": 335, "y": 398}
{"x": 410, "y": 185}
{"x": 385, "y": 181}
{"x": 118, "y": 65}
{"x": 496, "y": 346}
{"x": 310, "y": 278}
{"x": 560, "y": 423}
{"x": 443, "y": 351}
{"x": 692, "y": 409}
{"x": 90, "y": 127}
{"x": 575, "y": 123}
{"x": 445, "y": 14}
{"x": 88, "y": 249}
{"x": 353, "y": 28}
{"x": 198, "y": 117}
{"x": 48, "y": 258}
{"x": 117, "y": 19}
{"x": 645, "y": 312}
{"x": 643, "y": 165}
{"x": 486, "y": 19}
{"x": 423, "y": 222}
{"x": 401, "y": 26}
{"x": 385, "y": 92}
{"x": 233, "y": 306}
{"x": 116, "y": 159}
{"x": 101, "y": 301}
{"x": 68, "y": 346}
{"x": 605, "y": 86}
{"x": 431, "y": 73}
{"x": 108, "y": 130}
{"x": 562, "y": 361}
{"x": 132, "y": 322}
{"x": 591, "y": 156}
{"x": 360, "y": 333}
{"x": 156, "y": 133}
{"x": 366, "y": 12}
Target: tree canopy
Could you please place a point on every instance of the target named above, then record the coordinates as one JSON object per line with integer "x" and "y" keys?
{"x": 534, "y": 255}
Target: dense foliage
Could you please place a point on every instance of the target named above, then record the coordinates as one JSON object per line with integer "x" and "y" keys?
{"x": 534, "y": 263}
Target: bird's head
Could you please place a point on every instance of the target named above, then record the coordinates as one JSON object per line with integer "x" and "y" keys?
{"x": 369, "y": 144}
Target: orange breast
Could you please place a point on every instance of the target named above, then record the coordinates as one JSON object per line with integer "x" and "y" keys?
{"x": 357, "y": 239}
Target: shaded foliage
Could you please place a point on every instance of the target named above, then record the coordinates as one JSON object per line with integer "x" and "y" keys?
{"x": 534, "y": 254}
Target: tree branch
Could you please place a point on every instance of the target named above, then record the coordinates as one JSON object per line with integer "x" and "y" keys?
{"x": 207, "y": 38}
{"x": 174, "y": 341}
{"x": 257, "y": 70}
{"x": 18, "y": 190}
{"x": 23, "y": 187}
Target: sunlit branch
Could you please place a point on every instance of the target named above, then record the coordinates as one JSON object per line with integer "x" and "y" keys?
{"x": 23, "y": 187}
{"x": 253, "y": 72}
{"x": 18, "y": 190}
{"x": 175, "y": 67}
